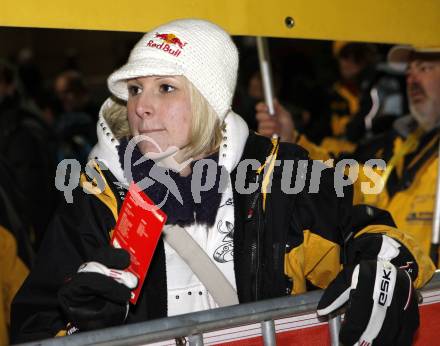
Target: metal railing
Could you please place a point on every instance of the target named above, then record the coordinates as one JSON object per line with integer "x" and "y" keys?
{"x": 193, "y": 325}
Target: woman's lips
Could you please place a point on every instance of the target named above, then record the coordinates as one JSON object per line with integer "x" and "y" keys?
{"x": 146, "y": 132}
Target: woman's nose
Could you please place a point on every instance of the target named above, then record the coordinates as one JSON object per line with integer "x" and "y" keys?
{"x": 144, "y": 105}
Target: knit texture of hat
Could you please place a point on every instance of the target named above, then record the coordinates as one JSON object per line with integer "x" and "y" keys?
{"x": 197, "y": 49}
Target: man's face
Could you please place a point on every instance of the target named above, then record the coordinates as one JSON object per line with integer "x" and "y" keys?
{"x": 423, "y": 88}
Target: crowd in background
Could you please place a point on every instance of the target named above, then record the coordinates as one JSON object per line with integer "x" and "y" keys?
{"x": 328, "y": 90}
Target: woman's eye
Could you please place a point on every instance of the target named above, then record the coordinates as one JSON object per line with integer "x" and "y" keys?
{"x": 133, "y": 90}
{"x": 167, "y": 88}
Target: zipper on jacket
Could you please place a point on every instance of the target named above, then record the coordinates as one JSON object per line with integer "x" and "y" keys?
{"x": 254, "y": 200}
{"x": 258, "y": 254}
{"x": 254, "y": 211}
{"x": 256, "y": 206}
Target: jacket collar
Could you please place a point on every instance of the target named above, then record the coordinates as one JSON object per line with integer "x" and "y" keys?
{"x": 235, "y": 135}
{"x": 106, "y": 148}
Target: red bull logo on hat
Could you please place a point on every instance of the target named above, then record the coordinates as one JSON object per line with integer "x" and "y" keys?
{"x": 166, "y": 45}
{"x": 171, "y": 39}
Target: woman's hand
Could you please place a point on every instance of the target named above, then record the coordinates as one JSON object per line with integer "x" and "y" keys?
{"x": 280, "y": 124}
{"x": 97, "y": 295}
{"x": 382, "y": 305}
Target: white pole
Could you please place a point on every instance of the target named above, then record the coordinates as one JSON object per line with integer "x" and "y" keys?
{"x": 266, "y": 75}
{"x": 435, "y": 240}
{"x": 266, "y": 72}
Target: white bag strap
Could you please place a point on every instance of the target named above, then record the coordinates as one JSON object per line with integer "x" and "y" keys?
{"x": 208, "y": 273}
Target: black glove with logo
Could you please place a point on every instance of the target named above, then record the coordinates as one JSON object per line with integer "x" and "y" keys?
{"x": 97, "y": 295}
{"x": 377, "y": 281}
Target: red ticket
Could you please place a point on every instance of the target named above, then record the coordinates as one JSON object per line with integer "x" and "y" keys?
{"x": 138, "y": 230}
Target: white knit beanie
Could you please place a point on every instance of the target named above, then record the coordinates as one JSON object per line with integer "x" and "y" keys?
{"x": 197, "y": 49}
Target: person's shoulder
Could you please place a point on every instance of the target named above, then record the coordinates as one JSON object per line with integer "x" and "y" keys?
{"x": 83, "y": 188}
{"x": 293, "y": 151}
{"x": 378, "y": 146}
{"x": 257, "y": 145}
{"x": 84, "y": 210}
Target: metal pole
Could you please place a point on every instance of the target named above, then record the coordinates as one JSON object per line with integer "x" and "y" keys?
{"x": 266, "y": 72}
{"x": 196, "y": 340}
{"x": 435, "y": 240}
{"x": 334, "y": 324}
{"x": 268, "y": 331}
{"x": 201, "y": 322}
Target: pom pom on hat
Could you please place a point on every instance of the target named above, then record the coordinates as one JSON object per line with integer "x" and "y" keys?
{"x": 197, "y": 49}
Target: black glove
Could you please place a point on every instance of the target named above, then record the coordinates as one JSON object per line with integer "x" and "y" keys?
{"x": 92, "y": 298}
{"x": 376, "y": 246}
{"x": 382, "y": 306}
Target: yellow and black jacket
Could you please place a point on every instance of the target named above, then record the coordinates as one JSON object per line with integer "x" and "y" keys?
{"x": 344, "y": 105}
{"x": 409, "y": 193}
{"x": 286, "y": 242}
{"x": 13, "y": 271}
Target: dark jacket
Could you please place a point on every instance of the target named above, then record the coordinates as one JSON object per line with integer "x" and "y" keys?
{"x": 28, "y": 146}
{"x": 281, "y": 241}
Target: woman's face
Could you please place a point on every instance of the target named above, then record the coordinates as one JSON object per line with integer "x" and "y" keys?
{"x": 159, "y": 107}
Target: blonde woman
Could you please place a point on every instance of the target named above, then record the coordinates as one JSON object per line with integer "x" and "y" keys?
{"x": 264, "y": 240}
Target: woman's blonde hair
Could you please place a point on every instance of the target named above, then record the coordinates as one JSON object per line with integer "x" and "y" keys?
{"x": 117, "y": 119}
{"x": 206, "y": 127}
